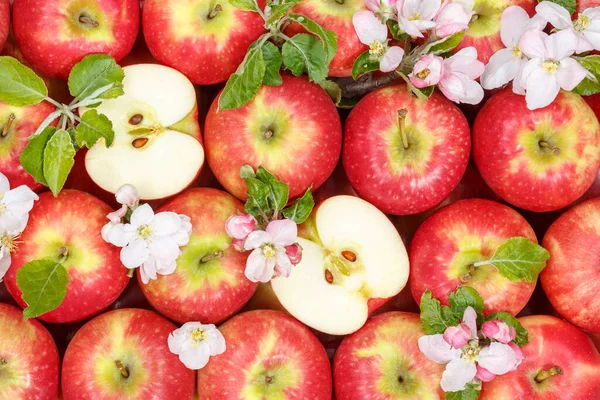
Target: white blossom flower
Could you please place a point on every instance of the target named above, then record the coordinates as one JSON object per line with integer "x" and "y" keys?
{"x": 383, "y": 9}
{"x": 372, "y": 32}
{"x": 453, "y": 17}
{"x": 16, "y": 203}
{"x": 586, "y": 27}
{"x": 10, "y": 229}
{"x": 195, "y": 343}
{"x": 416, "y": 16}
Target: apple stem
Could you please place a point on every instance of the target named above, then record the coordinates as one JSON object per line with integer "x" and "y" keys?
{"x": 467, "y": 277}
{"x": 474, "y": 18}
{"x": 214, "y": 11}
{"x": 85, "y": 19}
{"x": 130, "y": 272}
{"x": 268, "y": 379}
{"x": 11, "y": 119}
{"x": 212, "y": 256}
{"x": 546, "y": 145}
{"x": 401, "y": 119}
{"x": 545, "y": 374}
{"x": 339, "y": 1}
{"x": 123, "y": 369}
{"x": 3, "y": 362}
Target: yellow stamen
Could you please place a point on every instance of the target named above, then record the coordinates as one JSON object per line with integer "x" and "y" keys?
{"x": 581, "y": 23}
{"x": 198, "y": 335}
{"x": 377, "y": 49}
{"x": 550, "y": 66}
{"x": 415, "y": 17}
{"x": 423, "y": 73}
{"x": 516, "y": 51}
{"x": 9, "y": 242}
{"x": 268, "y": 251}
{"x": 145, "y": 231}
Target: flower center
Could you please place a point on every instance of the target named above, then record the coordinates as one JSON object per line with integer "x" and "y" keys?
{"x": 516, "y": 51}
{"x": 581, "y": 23}
{"x": 268, "y": 251}
{"x": 377, "y": 49}
{"x": 8, "y": 242}
{"x": 415, "y": 17}
{"x": 550, "y": 66}
{"x": 423, "y": 73}
{"x": 471, "y": 351}
{"x": 198, "y": 335}
{"x": 145, "y": 231}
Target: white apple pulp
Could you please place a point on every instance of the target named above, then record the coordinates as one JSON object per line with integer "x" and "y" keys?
{"x": 329, "y": 291}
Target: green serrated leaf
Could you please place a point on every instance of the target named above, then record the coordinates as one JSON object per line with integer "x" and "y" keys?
{"x": 247, "y": 5}
{"x": 247, "y": 172}
{"x": 522, "y": 337}
{"x": 94, "y": 72}
{"x": 464, "y": 297}
{"x": 92, "y": 127}
{"x": 276, "y": 10}
{"x": 58, "y": 160}
{"x": 569, "y": 5}
{"x": 278, "y": 191}
{"x": 256, "y": 202}
{"x": 273, "y": 61}
{"x": 300, "y": 209}
{"x": 591, "y": 84}
{"x": 363, "y": 65}
{"x": 328, "y": 37}
{"x": 470, "y": 392}
{"x": 443, "y": 45}
{"x": 435, "y": 317}
{"x": 395, "y": 30}
{"x": 305, "y": 53}
{"x": 519, "y": 259}
{"x": 19, "y": 85}
{"x": 333, "y": 90}
{"x": 44, "y": 286}
{"x": 32, "y": 156}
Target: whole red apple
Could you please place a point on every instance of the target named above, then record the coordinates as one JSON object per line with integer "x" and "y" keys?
{"x": 539, "y": 160}
{"x": 206, "y": 41}
{"x": 405, "y": 175}
{"x": 71, "y": 221}
{"x": 54, "y": 35}
{"x": 292, "y": 130}
{"x": 123, "y": 354}
{"x": 29, "y": 362}
{"x": 555, "y": 346}
{"x": 571, "y": 278}
{"x": 448, "y": 243}
{"x": 269, "y": 355}
{"x": 4, "y": 21}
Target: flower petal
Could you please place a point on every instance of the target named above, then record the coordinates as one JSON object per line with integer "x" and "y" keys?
{"x": 5, "y": 260}
{"x": 570, "y": 74}
{"x": 164, "y": 247}
{"x": 368, "y": 28}
{"x": 465, "y": 61}
{"x": 429, "y": 8}
{"x": 557, "y": 15}
{"x": 215, "y": 340}
{"x": 592, "y": 35}
{"x": 176, "y": 340}
{"x": 127, "y": 195}
{"x": 497, "y": 358}
{"x": 142, "y": 215}
{"x": 166, "y": 223}
{"x": 148, "y": 270}
{"x": 460, "y": 88}
{"x": 165, "y": 267}
{"x": 115, "y": 216}
{"x": 470, "y": 319}
{"x": 501, "y": 69}
{"x": 372, "y": 5}
{"x": 120, "y": 234}
{"x": 257, "y": 239}
{"x": 457, "y": 374}
{"x": 519, "y": 356}
{"x": 457, "y": 336}
{"x": 284, "y": 232}
{"x": 541, "y": 87}
{"x": 257, "y": 267}
{"x": 484, "y": 375}
{"x": 533, "y": 43}
{"x": 561, "y": 44}
{"x": 4, "y": 184}
{"x": 240, "y": 226}
{"x": 409, "y": 27}
{"x": 391, "y": 59}
{"x": 283, "y": 265}
{"x": 135, "y": 253}
{"x": 512, "y": 24}
{"x": 195, "y": 355}
{"x": 19, "y": 201}
{"x": 437, "y": 349}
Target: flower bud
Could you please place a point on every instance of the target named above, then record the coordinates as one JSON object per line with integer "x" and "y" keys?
{"x": 115, "y": 216}
{"x": 457, "y": 336}
{"x": 499, "y": 331}
{"x": 294, "y": 252}
{"x": 127, "y": 195}
{"x": 240, "y": 226}
{"x": 238, "y": 244}
{"x": 519, "y": 356}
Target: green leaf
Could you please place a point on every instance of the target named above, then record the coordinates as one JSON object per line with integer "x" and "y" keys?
{"x": 464, "y": 297}
{"x": 570, "y": 5}
{"x": 470, "y": 392}
{"x": 363, "y": 65}
{"x": 435, "y": 317}
{"x": 247, "y": 5}
{"x": 333, "y": 90}
{"x": 328, "y": 37}
{"x": 395, "y": 30}
{"x": 247, "y": 172}
{"x": 58, "y": 160}
{"x": 273, "y": 60}
{"x": 305, "y": 52}
{"x": 278, "y": 191}
{"x": 443, "y": 45}
{"x": 274, "y": 12}
{"x": 591, "y": 84}
{"x": 300, "y": 209}
{"x": 92, "y": 127}
{"x": 243, "y": 85}
{"x": 19, "y": 85}
{"x": 519, "y": 259}
{"x": 522, "y": 337}
{"x": 95, "y": 72}
{"x": 32, "y": 156}
{"x": 44, "y": 286}
{"x": 256, "y": 202}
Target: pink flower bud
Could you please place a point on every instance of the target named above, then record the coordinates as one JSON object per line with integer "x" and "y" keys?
{"x": 499, "y": 331}
{"x": 518, "y": 354}
{"x": 115, "y": 216}
{"x": 294, "y": 252}
{"x": 240, "y": 226}
{"x": 238, "y": 244}
{"x": 457, "y": 336}
{"x": 427, "y": 71}
{"x": 127, "y": 195}
{"x": 484, "y": 375}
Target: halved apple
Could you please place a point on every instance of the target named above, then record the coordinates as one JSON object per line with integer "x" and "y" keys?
{"x": 351, "y": 254}
{"x": 157, "y": 146}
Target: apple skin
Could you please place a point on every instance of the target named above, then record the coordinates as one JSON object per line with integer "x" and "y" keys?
{"x": 554, "y": 342}
{"x": 458, "y": 235}
{"x": 137, "y": 338}
{"x": 370, "y": 363}
{"x": 180, "y": 35}
{"x": 209, "y": 292}
{"x": 4, "y": 21}
{"x": 574, "y": 240}
{"x": 32, "y": 366}
{"x": 512, "y": 162}
{"x": 305, "y": 127}
{"x": 53, "y": 40}
{"x": 335, "y": 17}
{"x": 27, "y": 119}
{"x": 410, "y": 181}
{"x": 74, "y": 220}
{"x": 265, "y": 343}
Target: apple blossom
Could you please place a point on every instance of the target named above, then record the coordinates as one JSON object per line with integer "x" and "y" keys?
{"x": 374, "y": 33}
{"x": 195, "y": 343}
{"x": 459, "y": 72}
{"x": 383, "y": 9}
{"x": 498, "y": 330}
{"x": 427, "y": 71}
{"x": 453, "y": 18}
{"x": 416, "y": 16}
{"x": 10, "y": 230}
{"x": 240, "y": 226}
{"x": 127, "y": 195}
{"x": 15, "y": 204}
{"x": 116, "y": 216}
{"x": 586, "y": 27}
{"x": 457, "y": 336}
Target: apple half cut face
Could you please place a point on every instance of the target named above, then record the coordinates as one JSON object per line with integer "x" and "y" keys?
{"x": 352, "y": 254}
{"x": 157, "y": 144}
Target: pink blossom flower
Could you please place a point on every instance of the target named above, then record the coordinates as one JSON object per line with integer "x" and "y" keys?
{"x": 416, "y": 16}
{"x": 453, "y": 18}
{"x": 519, "y": 356}
{"x": 458, "y": 77}
{"x": 127, "y": 195}
{"x": 372, "y": 32}
{"x": 294, "y": 252}
{"x": 427, "y": 71}
{"x": 240, "y": 226}
{"x": 498, "y": 330}
{"x": 457, "y": 336}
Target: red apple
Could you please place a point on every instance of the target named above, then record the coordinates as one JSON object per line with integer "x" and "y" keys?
{"x": 451, "y": 240}
{"x": 571, "y": 278}
{"x": 29, "y": 362}
{"x": 539, "y": 160}
{"x": 206, "y": 41}
{"x": 383, "y": 361}
{"x": 405, "y": 178}
{"x": 73, "y": 220}
{"x": 124, "y": 354}
{"x": 4, "y": 21}
{"x": 269, "y": 355}
{"x": 585, "y": 4}
{"x": 555, "y": 344}
{"x": 595, "y": 339}
{"x": 295, "y": 121}
{"x": 54, "y": 35}
{"x": 208, "y": 284}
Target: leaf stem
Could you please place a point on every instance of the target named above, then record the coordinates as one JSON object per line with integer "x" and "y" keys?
{"x": 482, "y": 263}
{"x": 56, "y": 103}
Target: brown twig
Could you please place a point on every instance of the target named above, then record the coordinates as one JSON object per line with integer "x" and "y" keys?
{"x": 363, "y": 86}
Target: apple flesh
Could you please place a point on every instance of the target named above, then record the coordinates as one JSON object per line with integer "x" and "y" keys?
{"x": 540, "y": 160}
{"x": 54, "y": 35}
{"x": 29, "y": 362}
{"x": 448, "y": 243}
{"x": 269, "y": 355}
{"x": 157, "y": 145}
{"x": 72, "y": 221}
{"x": 4, "y": 21}
{"x": 295, "y": 121}
{"x": 383, "y": 361}
{"x": 554, "y": 343}
{"x": 124, "y": 354}
{"x": 352, "y": 260}
{"x": 405, "y": 178}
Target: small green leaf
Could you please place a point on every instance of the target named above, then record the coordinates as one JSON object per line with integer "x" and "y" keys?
{"x": 44, "y": 286}
{"x": 94, "y": 72}
{"x": 247, "y": 5}
{"x": 522, "y": 337}
{"x": 395, "y": 30}
{"x": 275, "y": 10}
{"x": 19, "y": 85}
{"x": 591, "y": 84}
{"x": 328, "y": 37}
{"x": 32, "y": 156}
{"x": 256, "y": 202}
{"x": 443, "y": 45}
{"x": 435, "y": 317}
{"x": 300, "y": 209}
{"x": 519, "y": 259}
{"x": 278, "y": 191}
{"x": 243, "y": 85}
{"x": 92, "y": 127}
{"x": 58, "y": 160}
{"x": 363, "y": 65}
{"x": 305, "y": 53}
{"x": 464, "y": 297}
{"x": 569, "y": 5}
{"x": 470, "y": 392}
{"x": 333, "y": 90}
{"x": 247, "y": 172}
{"x": 273, "y": 61}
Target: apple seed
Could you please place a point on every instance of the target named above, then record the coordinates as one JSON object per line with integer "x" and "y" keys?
{"x": 328, "y": 276}
{"x": 136, "y": 119}
{"x": 348, "y": 255}
{"x": 139, "y": 142}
